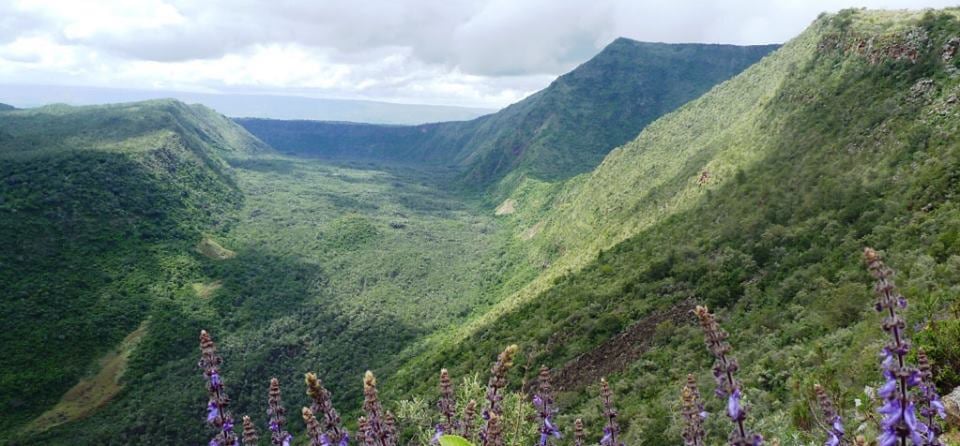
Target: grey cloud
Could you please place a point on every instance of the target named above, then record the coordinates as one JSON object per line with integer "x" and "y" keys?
{"x": 507, "y": 45}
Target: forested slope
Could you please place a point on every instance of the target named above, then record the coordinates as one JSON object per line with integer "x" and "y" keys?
{"x": 756, "y": 199}
{"x": 95, "y": 203}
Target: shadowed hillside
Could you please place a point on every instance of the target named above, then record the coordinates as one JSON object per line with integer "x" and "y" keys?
{"x": 92, "y": 201}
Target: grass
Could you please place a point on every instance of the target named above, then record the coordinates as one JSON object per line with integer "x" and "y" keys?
{"x": 93, "y": 392}
{"x": 205, "y": 290}
{"x": 213, "y": 250}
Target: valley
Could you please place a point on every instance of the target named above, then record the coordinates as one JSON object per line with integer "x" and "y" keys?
{"x": 583, "y": 224}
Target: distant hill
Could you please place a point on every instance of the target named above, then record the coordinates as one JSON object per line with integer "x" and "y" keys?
{"x": 558, "y": 132}
{"x": 5, "y": 107}
{"x": 248, "y": 105}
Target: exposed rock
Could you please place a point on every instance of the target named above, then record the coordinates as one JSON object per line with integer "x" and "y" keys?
{"x": 952, "y": 403}
{"x": 950, "y": 49}
{"x": 922, "y": 89}
{"x": 876, "y": 49}
{"x": 618, "y": 352}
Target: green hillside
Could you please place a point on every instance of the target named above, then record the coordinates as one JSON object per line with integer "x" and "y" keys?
{"x": 127, "y": 229}
{"x": 94, "y": 203}
{"x": 167, "y": 219}
{"x": 558, "y": 132}
{"x": 757, "y": 199}
{"x": 5, "y": 107}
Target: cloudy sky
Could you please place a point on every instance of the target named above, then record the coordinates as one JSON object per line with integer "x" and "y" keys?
{"x": 454, "y": 52}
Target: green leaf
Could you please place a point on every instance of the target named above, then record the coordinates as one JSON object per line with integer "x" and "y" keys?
{"x": 454, "y": 440}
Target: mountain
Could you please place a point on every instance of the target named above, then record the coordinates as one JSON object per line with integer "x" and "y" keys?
{"x": 555, "y": 133}
{"x": 248, "y": 105}
{"x": 126, "y": 229}
{"x": 96, "y": 205}
{"x": 5, "y": 107}
{"x": 756, "y": 199}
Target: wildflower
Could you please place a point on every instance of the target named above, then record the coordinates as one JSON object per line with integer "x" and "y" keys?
{"x": 498, "y": 380}
{"x": 277, "y": 414}
{"x": 900, "y": 419}
{"x": 724, "y": 370}
{"x": 543, "y": 402}
{"x": 313, "y": 428}
{"x": 693, "y": 413}
{"x": 379, "y": 428}
{"x": 612, "y": 429}
{"x": 217, "y": 414}
{"x": 250, "y": 436}
{"x": 930, "y": 404}
{"x": 447, "y": 404}
{"x": 493, "y": 435}
{"x": 469, "y": 415}
{"x": 331, "y": 431}
{"x": 362, "y": 429}
{"x": 832, "y": 419}
{"x": 579, "y": 437}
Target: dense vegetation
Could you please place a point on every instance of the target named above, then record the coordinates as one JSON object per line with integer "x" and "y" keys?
{"x": 563, "y": 130}
{"x": 93, "y": 201}
{"x": 756, "y": 198}
{"x": 175, "y": 216}
{"x": 152, "y": 221}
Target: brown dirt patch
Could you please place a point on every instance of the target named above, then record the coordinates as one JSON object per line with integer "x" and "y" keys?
{"x": 619, "y": 351}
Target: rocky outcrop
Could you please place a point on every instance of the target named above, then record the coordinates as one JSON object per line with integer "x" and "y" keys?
{"x": 952, "y": 403}
{"x": 906, "y": 45}
{"x": 618, "y": 352}
{"x": 950, "y": 49}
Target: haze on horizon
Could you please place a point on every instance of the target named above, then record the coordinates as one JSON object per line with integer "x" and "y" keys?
{"x": 468, "y": 53}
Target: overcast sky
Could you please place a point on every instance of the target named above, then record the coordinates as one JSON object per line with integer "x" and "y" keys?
{"x": 454, "y": 52}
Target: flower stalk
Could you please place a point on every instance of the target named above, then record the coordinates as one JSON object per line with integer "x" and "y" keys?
{"x": 331, "y": 432}
{"x": 724, "y": 370}
{"x": 217, "y": 414}
{"x": 543, "y": 402}
{"x": 494, "y": 409}
{"x": 447, "y": 404}
{"x": 612, "y": 429}
{"x": 693, "y": 413}
{"x": 831, "y": 417}
{"x": 277, "y": 413}
{"x": 900, "y": 422}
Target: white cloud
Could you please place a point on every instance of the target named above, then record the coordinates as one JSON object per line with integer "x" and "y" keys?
{"x": 468, "y": 52}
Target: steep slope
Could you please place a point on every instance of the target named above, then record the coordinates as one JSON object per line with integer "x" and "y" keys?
{"x": 96, "y": 205}
{"x": 558, "y": 132}
{"x": 756, "y": 199}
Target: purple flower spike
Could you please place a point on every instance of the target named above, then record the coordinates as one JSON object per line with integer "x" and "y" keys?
{"x": 693, "y": 413}
{"x": 327, "y": 416}
{"x": 724, "y": 370}
{"x": 217, "y": 415}
{"x": 734, "y": 411}
{"x": 835, "y": 430}
{"x": 543, "y": 402}
{"x": 900, "y": 421}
